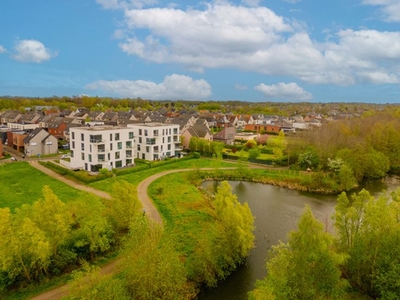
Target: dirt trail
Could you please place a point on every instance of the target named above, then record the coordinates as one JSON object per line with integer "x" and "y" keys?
{"x": 151, "y": 213}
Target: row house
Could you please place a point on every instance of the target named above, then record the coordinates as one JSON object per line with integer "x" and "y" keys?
{"x": 101, "y": 147}
{"x": 30, "y": 118}
{"x": 226, "y": 135}
{"x": 40, "y": 142}
{"x": 96, "y": 115}
{"x": 263, "y": 128}
{"x": 199, "y": 130}
{"x": 185, "y": 121}
{"x": 155, "y": 140}
{"x": 22, "y": 126}
{"x": 10, "y": 116}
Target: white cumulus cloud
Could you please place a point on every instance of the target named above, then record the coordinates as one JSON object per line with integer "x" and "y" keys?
{"x": 255, "y": 39}
{"x": 390, "y": 9}
{"x": 241, "y": 87}
{"x": 288, "y": 91}
{"x": 32, "y": 51}
{"x": 173, "y": 87}
{"x": 2, "y": 49}
{"x": 121, "y": 4}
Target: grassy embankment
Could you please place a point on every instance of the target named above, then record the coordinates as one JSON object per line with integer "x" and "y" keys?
{"x": 22, "y": 184}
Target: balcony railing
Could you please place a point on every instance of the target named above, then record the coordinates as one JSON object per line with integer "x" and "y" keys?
{"x": 96, "y": 141}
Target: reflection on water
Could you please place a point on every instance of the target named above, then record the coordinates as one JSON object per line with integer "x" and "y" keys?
{"x": 276, "y": 212}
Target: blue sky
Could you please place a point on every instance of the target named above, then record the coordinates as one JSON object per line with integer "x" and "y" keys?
{"x": 250, "y": 50}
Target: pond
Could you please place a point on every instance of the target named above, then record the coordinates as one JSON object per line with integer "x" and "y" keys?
{"x": 276, "y": 211}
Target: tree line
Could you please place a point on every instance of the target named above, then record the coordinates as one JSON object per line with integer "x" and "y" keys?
{"x": 349, "y": 151}
{"x": 363, "y": 255}
{"x": 49, "y": 238}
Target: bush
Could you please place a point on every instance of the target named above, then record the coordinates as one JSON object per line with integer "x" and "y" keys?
{"x": 196, "y": 155}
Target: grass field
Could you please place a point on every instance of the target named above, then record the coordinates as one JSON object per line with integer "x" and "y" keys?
{"x": 22, "y": 184}
{"x": 136, "y": 178}
{"x": 185, "y": 211}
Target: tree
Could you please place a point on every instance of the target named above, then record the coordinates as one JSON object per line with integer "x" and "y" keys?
{"x": 89, "y": 284}
{"x": 124, "y": 205}
{"x": 305, "y": 268}
{"x": 57, "y": 223}
{"x": 254, "y": 153}
{"x": 93, "y": 232}
{"x": 368, "y": 231}
{"x": 152, "y": 267}
{"x": 24, "y": 250}
{"x": 308, "y": 159}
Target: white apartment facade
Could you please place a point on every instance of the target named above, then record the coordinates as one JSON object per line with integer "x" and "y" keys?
{"x": 156, "y": 140}
{"x": 95, "y": 148}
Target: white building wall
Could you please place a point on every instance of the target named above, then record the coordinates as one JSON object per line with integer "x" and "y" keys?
{"x": 95, "y": 148}
{"x": 155, "y": 140}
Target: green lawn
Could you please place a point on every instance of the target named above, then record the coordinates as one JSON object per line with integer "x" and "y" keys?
{"x": 263, "y": 156}
{"x": 186, "y": 213}
{"x": 22, "y": 184}
{"x": 136, "y": 178}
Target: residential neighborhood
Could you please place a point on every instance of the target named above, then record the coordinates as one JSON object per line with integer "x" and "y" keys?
{"x": 90, "y": 135}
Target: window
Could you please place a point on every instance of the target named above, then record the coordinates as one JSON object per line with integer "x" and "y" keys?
{"x": 101, "y": 148}
{"x": 117, "y": 136}
{"x": 138, "y": 147}
{"x": 175, "y": 130}
{"x": 131, "y": 135}
{"x": 128, "y": 162}
{"x": 110, "y": 136}
{"x": 96, "y": 138}
{"x": 150, "y": 141}
{"x": 169, "y": 139}
{"x": 128, "y": 153}
{"x": 83, "y": 156}
{"x": 118, "y": 164}
{"x": 117, "y": 155}
{"x": 140, "y": 131}
{"x": 83, "y": 147}
{"x": 111, "y": 147}
{"x": 119, "y": 145}
{"x": 169, "y": 146}
{"x": 147, "y": 149}
{"x": 145, "y": 132}
{"x": 101, "y": 157}
{"x": 90, "y": 157}
{"x": 73, "y": 135}
{"x": 129, "y": 145}
{"x": 72, "y": 153}
{"x": 155, "y": 133}
{"x": 82, "y": 137}
{"x": 140, "y": 139}
{"x": 73, "y": 145}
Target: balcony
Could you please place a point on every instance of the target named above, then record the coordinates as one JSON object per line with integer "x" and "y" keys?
{"x": 96, "y": 141}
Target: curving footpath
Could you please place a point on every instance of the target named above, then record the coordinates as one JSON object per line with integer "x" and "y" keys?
{"x": 151, "y": 213}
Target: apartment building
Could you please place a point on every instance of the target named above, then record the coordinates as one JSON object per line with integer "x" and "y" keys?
{"x": 98, "y": 147}
{"x": 156, "y": 140}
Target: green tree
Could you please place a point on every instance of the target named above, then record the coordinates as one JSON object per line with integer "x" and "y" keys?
{"x": 124, "y": 205}
{"x": 306, "y": 267}
{"x": 57, "y": 223}
{"x": 308, "y": 159}
{"x": 254, "y": 153}
{"x": 24, "y": 250}
{"x": 93, "y": 232}
{"x": 368, "y": 231}
{"x": 151, "y": 265}
{"x": 89, "y": 284}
